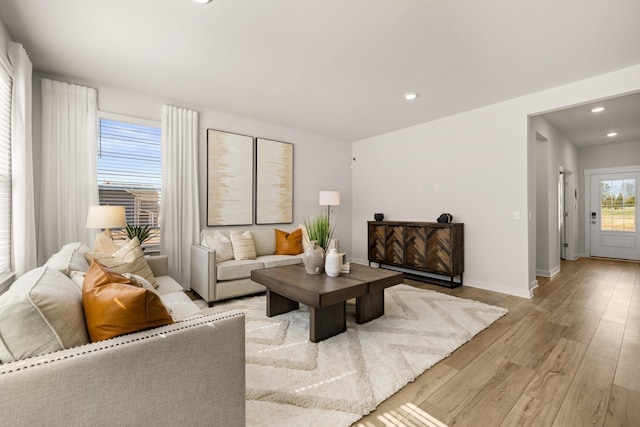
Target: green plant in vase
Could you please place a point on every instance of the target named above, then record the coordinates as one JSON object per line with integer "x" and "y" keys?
{"x": 319, "y": 229}
{"x": 142, "y": 232}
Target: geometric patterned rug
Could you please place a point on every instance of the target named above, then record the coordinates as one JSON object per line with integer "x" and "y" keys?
{"x": 292, "y": 381}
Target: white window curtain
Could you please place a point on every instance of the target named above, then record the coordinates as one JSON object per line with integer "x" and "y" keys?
{"x": 180, "y": 209}
{"x": 69, "y": 155}
{"x": 23, "y": 225}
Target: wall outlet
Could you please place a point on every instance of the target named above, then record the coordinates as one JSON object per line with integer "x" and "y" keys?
{"x": 516, "y": 215}
{"x": 436, "y": 187}
{"x": 419, "y": 189}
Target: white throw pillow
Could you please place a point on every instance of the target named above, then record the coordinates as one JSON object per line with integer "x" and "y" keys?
{"x": 128, "y": 259}
{"x": 69, "y": 258}
{"x": 221, "y": 244}
{"x": 243, "y": 245}
{"x": 41, "y": 312}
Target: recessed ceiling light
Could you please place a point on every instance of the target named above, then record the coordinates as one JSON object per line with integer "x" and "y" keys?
{"x": 612, "y": 134}
{"x": 202, "y": 1}
{"x": 410, "y": 96}
{"x": 597, "y": 110}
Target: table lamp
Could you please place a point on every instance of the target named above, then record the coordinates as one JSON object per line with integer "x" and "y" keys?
{"x": 328, "y": 199}
{"x": 106, "y": 217}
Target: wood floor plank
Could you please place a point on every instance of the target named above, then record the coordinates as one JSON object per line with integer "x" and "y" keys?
{"x": 463, "y": 388}
{"x": 540, "y": 342}
{"x": 530, "y": 412}
{"x": 496, "y": 398}
{"x": 552, "y": 380}
{"x": 587, "y": 398}
{"x": 624, "y": 408}
{"x": 628, "y": 369}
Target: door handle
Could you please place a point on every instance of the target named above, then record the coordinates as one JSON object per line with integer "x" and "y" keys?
{"x": 593, "y": 217}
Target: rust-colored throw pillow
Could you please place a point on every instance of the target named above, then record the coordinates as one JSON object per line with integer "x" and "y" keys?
{"x": 114, "y": 305}
{"x": 288, "y": 243}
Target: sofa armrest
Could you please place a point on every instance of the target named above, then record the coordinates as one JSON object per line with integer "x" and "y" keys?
{"x": 188, "y": 373}
{"x": 203, "y": 271}
{"x": 159, "y": 265}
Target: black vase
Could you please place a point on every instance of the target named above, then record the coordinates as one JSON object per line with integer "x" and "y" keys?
{"x": 378, "y": 216}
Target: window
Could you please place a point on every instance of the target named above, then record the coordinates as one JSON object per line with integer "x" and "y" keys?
{"x": 618, "y": 205}
{"x": 5, "y": 171}
{"x": 130, "y": 173}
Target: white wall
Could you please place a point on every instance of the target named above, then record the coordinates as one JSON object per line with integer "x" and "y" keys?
{"x": 5, "y": 38}
{"x": 600, "y": 157}
{"x": 556, "y": 153}
{"x": 482, "y": 163}
{"x": 320, "y": 163}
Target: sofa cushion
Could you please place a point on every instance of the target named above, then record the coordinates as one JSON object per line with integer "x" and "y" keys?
{"x": 243, "y": 245}
{"x": 237, "y": 269}
{"x": 114, "y": 305}
{"x": 279, "y": 260}
{"x": 128, "y": 259}
{"x": 69, "y": 258}
{"x": 180, "y": 305}
{"x": 288, "y": 243}
{"x": 40, "y": 313}
{"x": 167, "y": 284}
{"x": 219, "y": 243}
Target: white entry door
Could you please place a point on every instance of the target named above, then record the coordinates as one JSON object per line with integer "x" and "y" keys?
{"x": 614, "y": 225}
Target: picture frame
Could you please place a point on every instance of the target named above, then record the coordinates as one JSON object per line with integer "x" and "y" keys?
{"x": 274, "y": 182}
{"x": 230, "y": 178}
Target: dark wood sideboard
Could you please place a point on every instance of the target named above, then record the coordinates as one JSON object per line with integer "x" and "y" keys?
{"x": 426, "y": 247}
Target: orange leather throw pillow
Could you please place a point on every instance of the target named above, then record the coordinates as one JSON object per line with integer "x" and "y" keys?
{"x": 114, "y": 305}
{"x": 288, "y": 243}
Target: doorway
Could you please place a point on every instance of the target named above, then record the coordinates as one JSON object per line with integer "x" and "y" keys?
{"x": 563, "y": 213}
{"x": 611, "y": 222}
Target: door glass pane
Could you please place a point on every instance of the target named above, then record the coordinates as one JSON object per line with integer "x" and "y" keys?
{"x": 618, "y": 205}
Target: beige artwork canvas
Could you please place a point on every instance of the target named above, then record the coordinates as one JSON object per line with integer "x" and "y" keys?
{"x": 274, "y": 182}
{"x": 229, "y": 178}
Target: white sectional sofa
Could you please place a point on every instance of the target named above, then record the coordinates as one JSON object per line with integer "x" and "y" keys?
{"x": 191, "y": 372}
{"x": 215, "y": 281}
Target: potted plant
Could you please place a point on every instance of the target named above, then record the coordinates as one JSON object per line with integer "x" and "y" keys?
{"x": 319, "y": 229}
{"x": 142, "y": 232}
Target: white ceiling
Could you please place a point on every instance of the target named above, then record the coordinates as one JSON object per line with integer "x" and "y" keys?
{"x": 584, "y": 128}
{"x": 331, "y": 67}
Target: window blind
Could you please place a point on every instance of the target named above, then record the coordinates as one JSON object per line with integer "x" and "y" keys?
{"x": 130, "y": 174}
{"x": 5, "y": 170}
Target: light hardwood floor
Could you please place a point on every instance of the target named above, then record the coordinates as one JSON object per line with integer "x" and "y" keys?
{"x": 570, "y": 356}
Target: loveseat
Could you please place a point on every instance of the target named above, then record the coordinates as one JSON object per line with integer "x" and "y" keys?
{"x": 215, "y": 280}
{"x": 190, "y": 372}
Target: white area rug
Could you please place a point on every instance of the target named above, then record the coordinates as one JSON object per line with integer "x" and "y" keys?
{"x": 293, "y": 382}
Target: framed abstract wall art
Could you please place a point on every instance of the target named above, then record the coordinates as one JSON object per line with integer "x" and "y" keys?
{"x": 274, "y": 182}
{"x": 229, "y": 178}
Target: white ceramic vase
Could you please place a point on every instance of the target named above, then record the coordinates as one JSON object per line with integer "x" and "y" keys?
{"x": 332, "y": 263}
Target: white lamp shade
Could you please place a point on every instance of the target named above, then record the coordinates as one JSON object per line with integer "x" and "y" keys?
{"x": 106, "y": 217}
{"x": 329, "y": 198}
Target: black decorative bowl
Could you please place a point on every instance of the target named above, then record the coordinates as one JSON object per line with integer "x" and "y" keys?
{"x": 378, "y": 216}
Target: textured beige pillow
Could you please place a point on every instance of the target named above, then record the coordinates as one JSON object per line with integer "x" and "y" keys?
{"x": 221, "y": 244}
{"x": 105, "y": 244}
{"x": 128, "y": 259}
{"x": 243, "y": 246}
{"x": 40, "y": 313}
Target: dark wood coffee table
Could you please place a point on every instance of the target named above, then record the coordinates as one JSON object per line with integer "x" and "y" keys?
{"x": 290, "y": 285}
